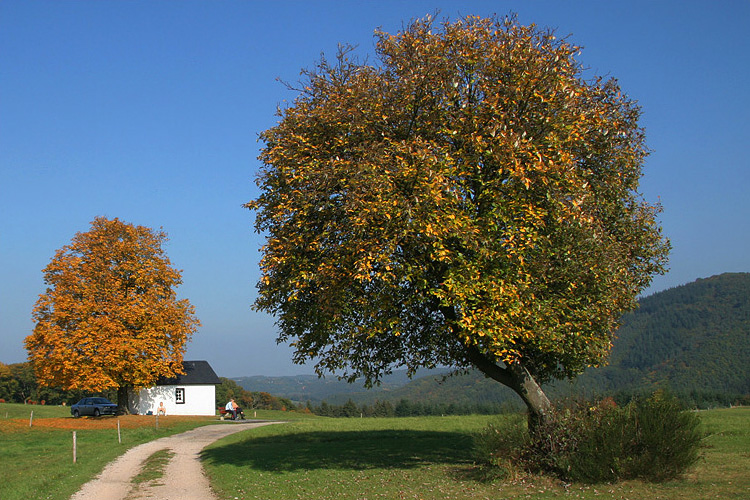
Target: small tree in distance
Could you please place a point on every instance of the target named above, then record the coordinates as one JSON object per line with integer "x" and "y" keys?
{"x": 110, "y": 317}
{"x": 470, "y": 202}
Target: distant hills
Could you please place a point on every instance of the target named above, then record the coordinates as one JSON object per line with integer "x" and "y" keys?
{"x": 310, "y": 387}
{"x": 693, "y": 340}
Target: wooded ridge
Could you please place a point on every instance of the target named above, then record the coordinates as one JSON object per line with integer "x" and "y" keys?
{"x": 692, "y": 340}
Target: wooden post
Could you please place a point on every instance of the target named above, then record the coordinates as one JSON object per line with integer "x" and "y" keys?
{"x": 75, "y": 450}
{"x": 157, "y": 421}
{"x": 119, "y": 437}
{"x": 31, "y": 418}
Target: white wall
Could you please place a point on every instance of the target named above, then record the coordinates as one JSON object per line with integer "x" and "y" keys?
{"x": 199, "y": 400}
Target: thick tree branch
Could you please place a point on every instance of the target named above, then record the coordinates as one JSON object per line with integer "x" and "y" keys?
{"x": 489, "y": 368}
{"x": 518, "y": 378}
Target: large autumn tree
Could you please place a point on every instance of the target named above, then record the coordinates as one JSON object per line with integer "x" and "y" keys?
{"x": 470, "y": 200}
{"x": 110, "y": 317}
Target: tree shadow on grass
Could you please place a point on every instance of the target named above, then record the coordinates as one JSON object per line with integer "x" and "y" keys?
{"x": 344, "y": 450}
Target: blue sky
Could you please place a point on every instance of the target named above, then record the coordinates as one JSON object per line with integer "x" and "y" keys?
{"x": 150, "y": 112}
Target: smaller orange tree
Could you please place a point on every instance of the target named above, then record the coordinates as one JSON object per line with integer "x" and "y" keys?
{"x": 110, "y": 317}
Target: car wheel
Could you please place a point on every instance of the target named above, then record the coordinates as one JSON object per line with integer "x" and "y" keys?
{"x": 76, "y": 414}
{"x": 96, "y": 412}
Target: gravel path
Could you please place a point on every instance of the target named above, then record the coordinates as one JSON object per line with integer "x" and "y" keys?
{"x": 183, "y": 477}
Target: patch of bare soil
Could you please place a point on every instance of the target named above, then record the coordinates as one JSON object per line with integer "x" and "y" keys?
{"x": 183, "y": 477}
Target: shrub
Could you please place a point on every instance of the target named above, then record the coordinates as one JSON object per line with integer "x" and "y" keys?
{"x": 666, "y": 440}
{"x": 652, "y": 439}
{"x": 556, "y": 440}
{"x": 499, "y": 446}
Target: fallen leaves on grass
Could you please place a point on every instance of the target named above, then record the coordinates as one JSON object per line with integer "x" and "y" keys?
{"x": 91, "y": 423}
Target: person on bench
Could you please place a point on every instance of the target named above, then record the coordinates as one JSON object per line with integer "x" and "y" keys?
{"x": 231, "y": 407}
{"x": 238, "y": 413}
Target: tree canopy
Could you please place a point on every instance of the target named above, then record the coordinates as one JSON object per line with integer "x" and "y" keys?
{"x": 471, "y": 200}
{"x": 110, "y": 317}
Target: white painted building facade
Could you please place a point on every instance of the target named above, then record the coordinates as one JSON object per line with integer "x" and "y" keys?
{"x": 193, "y": 393}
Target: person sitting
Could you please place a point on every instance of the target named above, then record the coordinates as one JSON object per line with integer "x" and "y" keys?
{"x": 161, "y": 410}
{"x": 238, "y": 413}
{"x": 232, "y": 408}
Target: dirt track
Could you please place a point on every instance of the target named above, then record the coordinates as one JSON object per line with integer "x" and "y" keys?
{"x": 183, "y": 477}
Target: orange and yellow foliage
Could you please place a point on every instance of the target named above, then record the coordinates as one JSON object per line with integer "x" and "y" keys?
{"x": 110, "y": 317}
{"x": 471, "y": 200}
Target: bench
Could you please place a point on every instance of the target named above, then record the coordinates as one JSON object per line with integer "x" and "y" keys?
{"x": 228, "y": 414}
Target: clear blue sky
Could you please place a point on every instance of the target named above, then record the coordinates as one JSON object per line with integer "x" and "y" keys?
{"x": 150, "y": 112}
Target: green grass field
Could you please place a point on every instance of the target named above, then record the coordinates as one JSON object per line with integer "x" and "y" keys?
{"x": 37, "y": 462}
{"x": 431, "y": 458}
{"x": 321, "y": 458}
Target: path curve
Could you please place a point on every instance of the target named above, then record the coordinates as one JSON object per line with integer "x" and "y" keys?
{"x": 183, "y": 477}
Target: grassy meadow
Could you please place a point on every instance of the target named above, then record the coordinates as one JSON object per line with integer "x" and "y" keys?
{"x": 320, "y": 458}
{"x": 431, "y": 458}
{"x": 37, "y": 461}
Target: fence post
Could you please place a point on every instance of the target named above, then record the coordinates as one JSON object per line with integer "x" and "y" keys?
{"x": 119, "y": 437}
{"x": 75, "y": 450}
{"x": 31, "y": 418}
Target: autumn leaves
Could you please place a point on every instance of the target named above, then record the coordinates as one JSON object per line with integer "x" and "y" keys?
{"x": 110, "y": 317}
{"x": 472, "y": 194}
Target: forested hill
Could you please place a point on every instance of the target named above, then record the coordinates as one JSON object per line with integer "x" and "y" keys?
{"x": 693, "y": 340}
{"x": 310, "y": 387}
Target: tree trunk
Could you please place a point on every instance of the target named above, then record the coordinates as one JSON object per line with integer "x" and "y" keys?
{"x": 531, "y": 392}
{"x": 123, "y": 406}
{"x": 518, "y": 378}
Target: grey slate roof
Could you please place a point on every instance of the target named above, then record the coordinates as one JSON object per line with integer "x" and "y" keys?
{"x": 196, "y": 373}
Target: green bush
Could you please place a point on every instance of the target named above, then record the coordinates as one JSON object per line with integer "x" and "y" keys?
{"x": 603, "y": 450}
{"x": 652, "y": 439}
{"x": 498, "y": 448}
{"x": 556, "y": 440}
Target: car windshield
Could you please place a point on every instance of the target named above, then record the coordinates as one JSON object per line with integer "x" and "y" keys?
{"x": 100, "y": 401}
